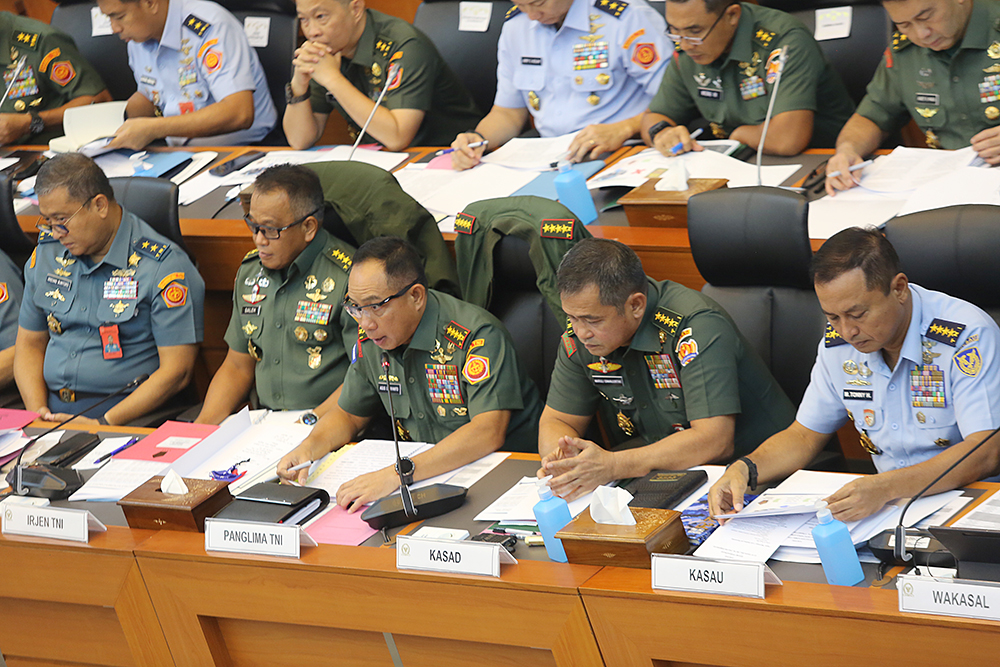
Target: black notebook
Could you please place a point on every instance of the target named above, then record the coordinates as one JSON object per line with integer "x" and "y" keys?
{"x": 276, "y": 503}
{"x": 663, "y": 489}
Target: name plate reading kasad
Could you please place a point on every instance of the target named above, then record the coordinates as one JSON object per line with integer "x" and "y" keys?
{"x": 261, "y": 539}
{"x": 58, "y": 523}
{"x": 709, "y": 575}
{"x": 947, "y": 597}
{"x": 458, "y": 556}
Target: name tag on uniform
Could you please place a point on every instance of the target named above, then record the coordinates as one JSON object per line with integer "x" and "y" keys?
{"x": 250, "y": 310}
{"x": 531, "y": 60}
{"x": 710, "y": 93}
{"x": 394, "y": 387}
{"x": 859, "y": 395}
{"x": 608, "y": 380}
{"x": 711, "y": 575}
{"x": 147, "y": 81}
{"x": 64, "y": 283}
{"x": 928, "y": 98}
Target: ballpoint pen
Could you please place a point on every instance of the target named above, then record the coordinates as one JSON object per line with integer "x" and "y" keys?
{"x": 855, "y": 167}
{"x": 474, "y": 144}
{"x": 120, "y": 449}
{"x": 680, "y": 144}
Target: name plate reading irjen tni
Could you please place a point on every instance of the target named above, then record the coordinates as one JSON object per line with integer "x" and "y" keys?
{"x": 58, "y": 523}
{"x": 710, "y": 575}
{"x": 462, "y": 557}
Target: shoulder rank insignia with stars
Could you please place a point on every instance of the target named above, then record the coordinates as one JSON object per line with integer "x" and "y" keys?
{"x": 456, "y": 333}
{"x": 557, "y": 229}
{"x": 250, "y": 255}
{"x": 667, "y": 320}
{"x": 151, "y": 248}
{"x": 568, "y": 344}
{"x": 383, "y": 46}
{"x": 45, "y": 237}
{"x": 342, "y": 257}
{"x": 25, "y": 39}
{"x": 764, "y": 36}
{"x": 614, "y": 7}
{"x": 944, "y": 331}
{"x": 831, "y": 338}
{"x": 569, "y": 327}
{"x": 196, "y": 25}
{"x": 362, "y": 334}
{"x": 464, "y": 223}
{"x": 511, "y": 13}
{"x": 899, "y": 41}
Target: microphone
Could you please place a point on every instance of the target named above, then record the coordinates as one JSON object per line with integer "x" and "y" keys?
{"x": 899, "y": 555}
{"x": 425, "y": 503}
{"x": 364, "y": 128}
{"x": 770, "y": 109}
{"x": 52, "y": 481}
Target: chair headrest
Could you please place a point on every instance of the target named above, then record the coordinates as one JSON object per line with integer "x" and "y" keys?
{"x": 276, "y": 6}
{"x": 751, "y": 236}
{"x": 952, "y": 250}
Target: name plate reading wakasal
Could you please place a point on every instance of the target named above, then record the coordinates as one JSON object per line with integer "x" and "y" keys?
{"x": 250, "y": 537}
{"x": 949, "y": 597}
{"x": 711, "y": 575}
{"x": 58, "y": 523}
{"x": 462, "y": 556}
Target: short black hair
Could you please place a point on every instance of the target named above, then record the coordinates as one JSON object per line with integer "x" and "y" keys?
{"x": 713, "y": 6}
{"x": 300, "y": 184}
{"x": 400, "y": 260}
{"x": 611, "y": 265}
{"x": 79, "y": 174}
{"x": 856, "y": 248}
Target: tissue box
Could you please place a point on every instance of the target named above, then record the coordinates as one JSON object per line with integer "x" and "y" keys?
{"x": 646, "y": 207}
{"x": 655, "y": 531}
{"x": 148, "y": 507}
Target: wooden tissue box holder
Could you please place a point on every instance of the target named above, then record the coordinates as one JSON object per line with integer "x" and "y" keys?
{"x": 645, "y": 206}
{"x": 148, "y": 507}
{"x": 655, "y": 531}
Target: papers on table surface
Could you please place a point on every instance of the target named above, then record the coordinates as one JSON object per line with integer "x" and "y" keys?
{"x": 199, "y": 160}
{"x": 117, "y": 479}
{"x": 468, "y": 474}
{"x": 536, "y": 154}
{"x": 15, "y": 420}
{"x": 367, "y": 456}
{"x": 106, "y": 446}
{"x": 515, "y": 506}
{"x": 635, "y": 170}
{"x": 85, "y": 126}
{"x": 774, "y": 503}
{"x": 450, "y": 192}
{"x": 986, "y": 516}
{"x": 335, "y": 525}
{"x": 752, "y": 540}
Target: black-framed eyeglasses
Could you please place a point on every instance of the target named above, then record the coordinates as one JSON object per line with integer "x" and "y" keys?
{"x": 273, "y": 233}
{"x": 375, "y": 309}
{"x": 58, "y": 224}
{"x": 697, "y": 41}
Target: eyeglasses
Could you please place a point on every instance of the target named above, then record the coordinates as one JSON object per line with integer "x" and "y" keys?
{"x": 272, "y": 233}
{"x": 58, "y": 224}
{"x": 375, "y": 309}
{"x": 696, "y": 41}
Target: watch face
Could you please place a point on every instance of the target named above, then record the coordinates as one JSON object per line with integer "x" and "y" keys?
{"x": 406, "y": 466}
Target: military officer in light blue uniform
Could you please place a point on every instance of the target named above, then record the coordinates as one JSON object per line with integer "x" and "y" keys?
{"x": 106, "y": 300}
{"x": 915, "y": 370}
{"x": 590, "y": 65}
{"x": 199, "y": 80}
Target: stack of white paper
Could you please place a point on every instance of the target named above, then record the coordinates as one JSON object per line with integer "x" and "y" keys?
{"x": 635, "y": 170}
{"x": 516, "y": 505}
{"x": 532, "y": 154}
{"x": 365, "y": 457}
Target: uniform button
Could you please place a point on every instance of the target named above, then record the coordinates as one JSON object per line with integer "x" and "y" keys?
{"x": 277, "y": 395}
{"x": 932, "y": 420}
{"x": 965, "y": 116}
{"x": 84, "y": 309}
{"x": 277, "y": 361}
{"x": 72, "y": 354}
{"x": 277, "y": 325}
{"x": 902, "y": 464}
{"x": 895, "y": 427}
{"x": 420, "y": 415}
{"x": 955, "y": 79}
{"x": 411, "y": 380}
{"x": 892, "y": 387}
{"x": 642, "y": 405}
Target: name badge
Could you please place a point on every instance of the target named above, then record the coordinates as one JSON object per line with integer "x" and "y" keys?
{"x": 711, "y": 575}
{"x": 394, "y": 387}
{"x": 530, "y": 60}
{"x": 947, "y": 597}
{"x": 859, "y": 395}
{"x": 250, "y": 537}
{"x": 709, "y": 93}
{"x": 928, "y": 98}
{"x": 53, "y": 522}
{"x": 612, "y": 380}
{"x": 462, "y": 557}
{"x": 64, "y": 283}
{"x": 147, "y": 80}
{"x": 250, "y": 310}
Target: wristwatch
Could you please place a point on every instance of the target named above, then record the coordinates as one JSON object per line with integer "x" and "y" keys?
{"x": 656, "y": 129}
{"x": 291, "y": 98}
{"x": 407, "y": 470}
{"x": 37, "y": 125}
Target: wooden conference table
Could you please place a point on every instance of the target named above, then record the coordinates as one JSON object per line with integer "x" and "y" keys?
{"x": 145, "y": 598}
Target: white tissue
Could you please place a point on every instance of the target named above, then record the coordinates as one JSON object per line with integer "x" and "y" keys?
{"x": 173, "y": 483}
{"x": 610, "y": 505}
{"x": 674, "y": 180}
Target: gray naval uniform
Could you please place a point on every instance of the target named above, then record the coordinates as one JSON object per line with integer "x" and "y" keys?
{"x": 292, "y": 321}
{"x": 106, "y": 320}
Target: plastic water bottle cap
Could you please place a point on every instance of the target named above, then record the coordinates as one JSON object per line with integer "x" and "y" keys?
{"x": 824, "y": 515}
{"x": 564, "y": 166}
{"x": 544, "y": 490}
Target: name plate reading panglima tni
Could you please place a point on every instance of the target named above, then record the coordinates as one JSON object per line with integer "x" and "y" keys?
{"x": 710, "y": 575}
{"x": 261, "y": 539}
{"x": 461, "y": 557}
{"x": 949, "y": 597}
{"x": 58, "y": 523}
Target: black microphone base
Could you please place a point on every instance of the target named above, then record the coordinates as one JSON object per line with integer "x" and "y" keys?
{"x": 429, "y": 501}
{"x": 923, "y": 548}
{"x": 43, "y": 481}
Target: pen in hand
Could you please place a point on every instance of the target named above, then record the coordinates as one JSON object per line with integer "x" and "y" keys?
{"x": 107, "y": 456}
{"x": 853, "y": 168}
{"x": 474, "y": 144}
{"x": 680, "y": 144}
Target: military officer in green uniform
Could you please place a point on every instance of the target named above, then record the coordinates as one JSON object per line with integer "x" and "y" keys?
{"x": 106, "y": 299}
{"x": 353, "y": 56}
{"x": 726, "y": 74}
{"x": 943, "y": 71}
{"x": 286, "y": 333}
{"x": 676, "y": 382}
{"x": 53, "y": 77}
{"x": 452, "y": 374}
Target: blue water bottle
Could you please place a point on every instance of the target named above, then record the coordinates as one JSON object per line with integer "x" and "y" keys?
{"x": 836, "y": 550}
{"x": 571, "y": 188}
{"x": 551, "y": 513}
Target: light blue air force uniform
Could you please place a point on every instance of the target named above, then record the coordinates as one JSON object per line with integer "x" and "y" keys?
{"x": 603, "y": 65}
{"x": 945, "y": 386}
{"x": 202, "y": 57}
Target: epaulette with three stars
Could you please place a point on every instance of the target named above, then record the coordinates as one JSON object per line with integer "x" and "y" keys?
{"x": 151, "y": 248}
{"x": 614, "y": 7}
{"x": 900, "y": 41}
{"x": 196, "y": 25}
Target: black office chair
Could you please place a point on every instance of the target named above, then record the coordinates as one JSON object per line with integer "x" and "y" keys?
{"x": 952, "y": 250}
{"x": 155, "y": 201}
{"x": 13, "y": 240}
{"x": 471, "y": 55}
{"x": 106, "y": 53}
